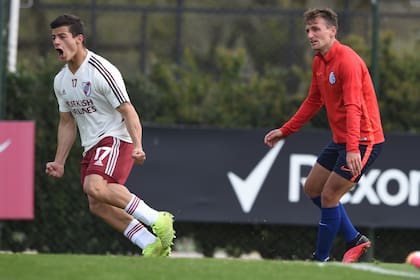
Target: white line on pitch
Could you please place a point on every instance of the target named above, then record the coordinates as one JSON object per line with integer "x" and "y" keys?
{"x": 379, "y": 270}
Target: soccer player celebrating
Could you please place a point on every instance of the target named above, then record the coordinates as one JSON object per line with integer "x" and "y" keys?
{"x": 342, "y": 84}
{"x": 92, "y": 98}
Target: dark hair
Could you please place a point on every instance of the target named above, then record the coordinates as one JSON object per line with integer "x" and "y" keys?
{"x": 327, "y": 14}
{"x": 73, "y": 22}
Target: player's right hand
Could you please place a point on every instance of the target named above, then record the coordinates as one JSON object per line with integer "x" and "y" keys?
{"x": 54, "y": 169}
{"x": 272, "y": 137}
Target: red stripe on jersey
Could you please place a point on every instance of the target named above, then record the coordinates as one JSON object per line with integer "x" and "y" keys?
{"x": 109, "y": 78}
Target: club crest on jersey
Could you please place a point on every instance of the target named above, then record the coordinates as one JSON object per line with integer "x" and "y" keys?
{"x": 332, "y": 78}
{"x": 86, "y": 88}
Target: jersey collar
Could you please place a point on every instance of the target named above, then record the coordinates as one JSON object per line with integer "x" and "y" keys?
{"x": 331, "y": 53}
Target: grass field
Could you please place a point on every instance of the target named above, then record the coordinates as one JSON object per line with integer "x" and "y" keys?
{"x": 103, "y": 267}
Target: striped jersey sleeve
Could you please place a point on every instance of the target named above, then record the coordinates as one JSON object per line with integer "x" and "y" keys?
{"x": 109, "y": 81}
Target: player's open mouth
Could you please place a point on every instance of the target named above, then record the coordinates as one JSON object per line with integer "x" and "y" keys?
{"x": 60, "y": 52}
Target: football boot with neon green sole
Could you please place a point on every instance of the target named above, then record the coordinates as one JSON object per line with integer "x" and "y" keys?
{"x": 155, "y": 249}
{"x": 163, "y": 228}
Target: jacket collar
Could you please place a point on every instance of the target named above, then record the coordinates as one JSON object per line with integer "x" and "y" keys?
{"x": 331, "y": 53}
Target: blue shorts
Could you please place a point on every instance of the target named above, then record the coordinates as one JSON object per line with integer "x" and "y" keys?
{"x": 333, "y": 158}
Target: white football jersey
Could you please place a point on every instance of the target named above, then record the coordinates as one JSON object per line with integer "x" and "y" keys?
{"x": 92, "y": 95}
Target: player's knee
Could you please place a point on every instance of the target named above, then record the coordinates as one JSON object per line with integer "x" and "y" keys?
{"x": 307, "y": 190}
{"x": 92, "y": 189}
{"x": 310, "y": 191}
{"x": 329, "y": 199}
{"x": 95, "y": 207}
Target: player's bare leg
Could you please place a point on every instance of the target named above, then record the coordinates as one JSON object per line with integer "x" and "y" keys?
{"x": 316, "y": 180}
{"x": 335, "y": 187}
{"x": 357, "y": 244}
{"x": 114, "y": 216}
{"x": 98, "y": 188}
{"x": 131, "y": 228}
{"x": 119, "y": 196}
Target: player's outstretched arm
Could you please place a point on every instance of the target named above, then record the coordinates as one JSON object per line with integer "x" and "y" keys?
{"x": 66, "y": 136}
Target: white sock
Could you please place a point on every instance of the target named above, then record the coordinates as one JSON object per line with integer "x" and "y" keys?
{"x": 139, "y": 234}
{"x": 141, "y": 211}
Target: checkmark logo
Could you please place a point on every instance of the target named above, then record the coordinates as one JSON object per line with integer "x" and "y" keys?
{"x": 4, "y": 145}
{"x": 345, "y": 168}
{"x": 247, "y": 190}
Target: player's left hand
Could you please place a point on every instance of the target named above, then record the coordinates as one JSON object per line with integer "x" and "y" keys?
{"x": 354, "y": 163}
{"x": 138, "y": 155}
